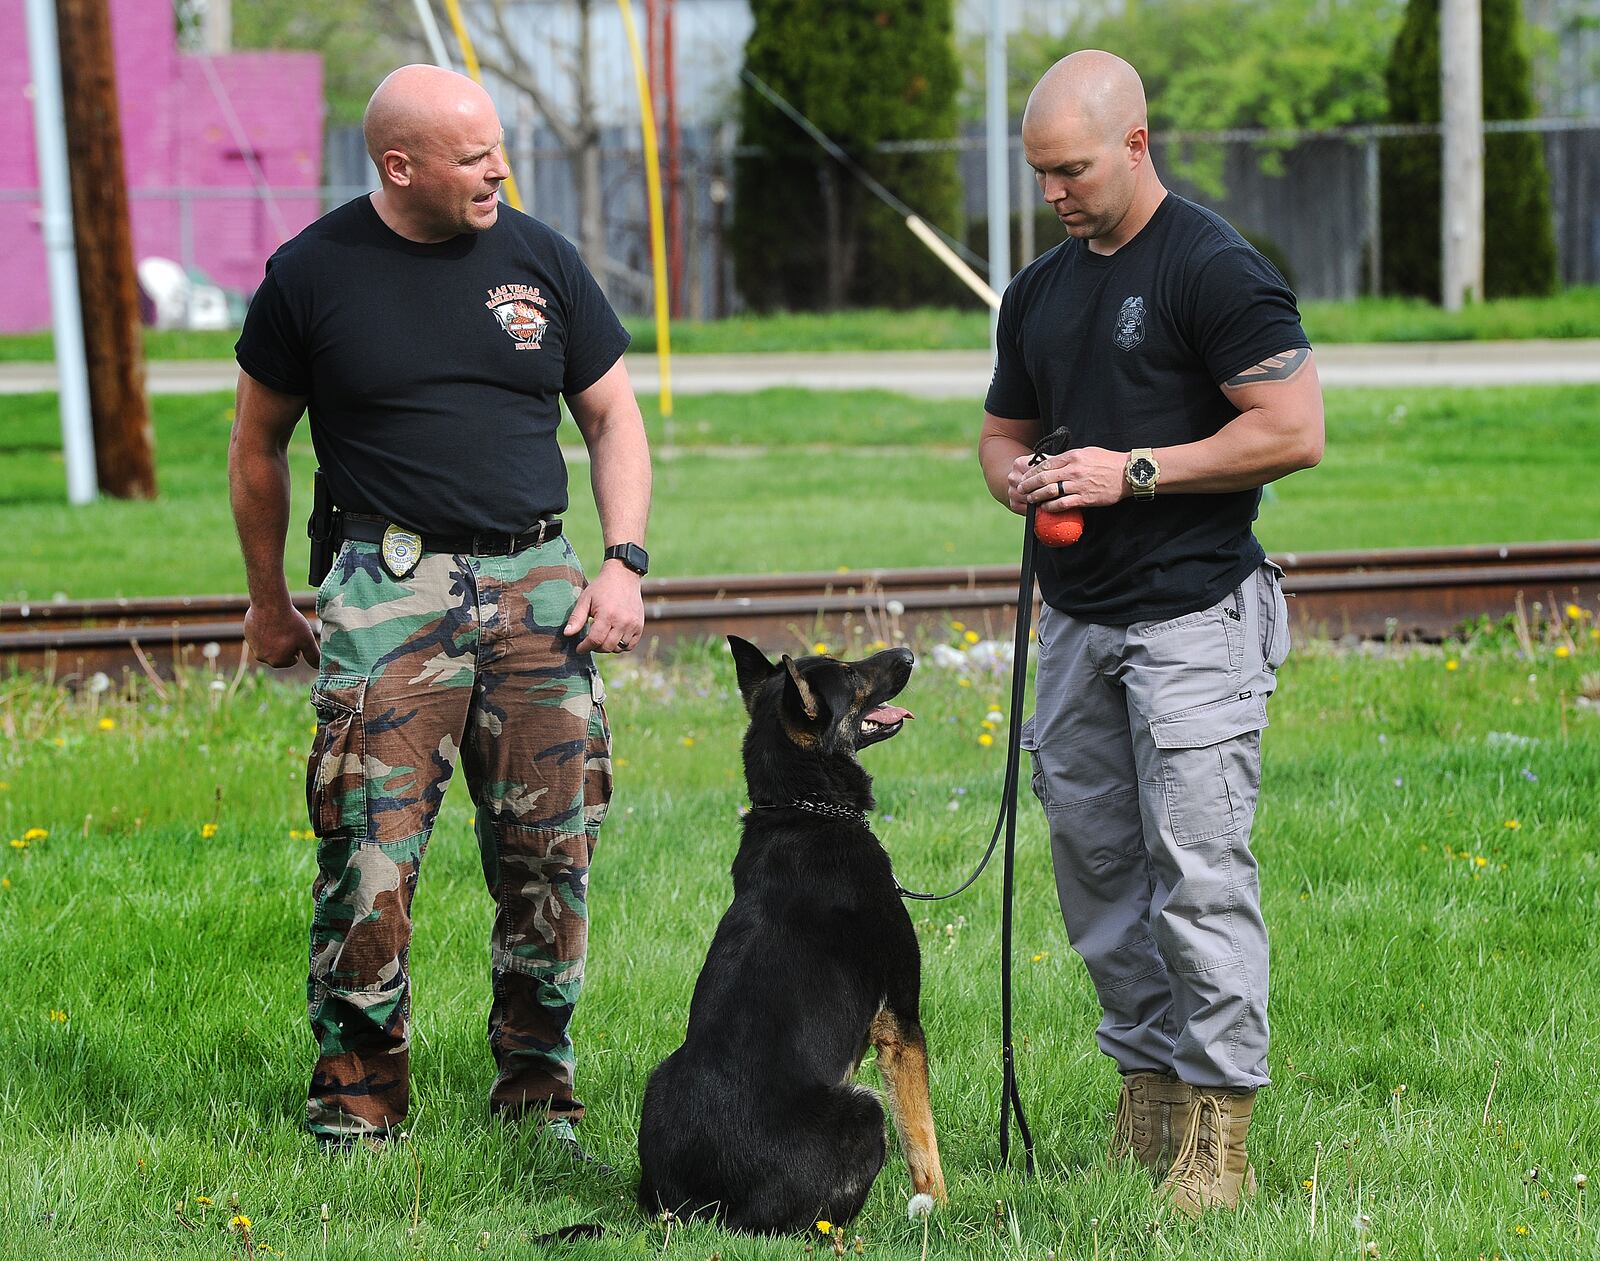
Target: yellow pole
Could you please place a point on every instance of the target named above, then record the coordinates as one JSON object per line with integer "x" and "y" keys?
{"x": 658, "y": 235}
{"x": 469, "y": 56}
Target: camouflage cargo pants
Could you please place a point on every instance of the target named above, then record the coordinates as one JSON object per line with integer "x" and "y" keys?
{"x": 463, "y": 658}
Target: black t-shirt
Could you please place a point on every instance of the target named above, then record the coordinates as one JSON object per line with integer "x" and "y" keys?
{"x": 1128, "y": 350}
{"x": 433, "y": 373}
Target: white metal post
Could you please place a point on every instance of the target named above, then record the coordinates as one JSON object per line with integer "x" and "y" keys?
{"x": 998, "y": 156}
{"x": 55, "y": 200}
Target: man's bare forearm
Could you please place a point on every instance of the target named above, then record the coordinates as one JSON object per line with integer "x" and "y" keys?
{"x": 996, "y": 455}
{"x": 258, "y": 490}
{"x": 619, "y": 472}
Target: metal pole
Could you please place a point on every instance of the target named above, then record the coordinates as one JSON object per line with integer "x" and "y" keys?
{"x": 1374, "y": 219}
{"x": 430, "y": 32}
{"x": 1027, "y": 189}
{"x": 1461, "y": 95}
{"x": 999, "y": 152}
{"x": 55, "y": 198}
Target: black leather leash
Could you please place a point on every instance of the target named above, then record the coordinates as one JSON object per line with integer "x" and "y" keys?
{"x": 1053, "y": 443}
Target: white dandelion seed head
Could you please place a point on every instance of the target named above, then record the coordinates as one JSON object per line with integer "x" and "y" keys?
{"x": 895, "y": 607}
{"x": 99, "y": 682}
{"x": 212, "y": 650}
{"x": 1580, "y": 1180}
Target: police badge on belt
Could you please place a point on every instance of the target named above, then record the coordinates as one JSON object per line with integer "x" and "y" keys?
{"x": 401, "y": 550}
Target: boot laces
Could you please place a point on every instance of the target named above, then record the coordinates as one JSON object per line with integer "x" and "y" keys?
{"x": 1122, "y": 1127}
{"x": 1189, "y": 1169}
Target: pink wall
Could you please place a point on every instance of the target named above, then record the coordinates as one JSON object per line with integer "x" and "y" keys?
{"x": 174, "y": 134}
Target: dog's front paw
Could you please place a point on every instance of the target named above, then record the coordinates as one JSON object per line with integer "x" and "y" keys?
{"x": 919, "y": 1206}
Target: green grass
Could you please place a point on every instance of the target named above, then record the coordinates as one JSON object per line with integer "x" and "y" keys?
{"x": 1574, "y": 312}
{"x": 177, "y": 963}
{"x": 790, "y": 479}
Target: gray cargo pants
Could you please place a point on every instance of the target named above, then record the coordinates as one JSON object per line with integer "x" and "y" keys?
{"x": 1147, "y": 759}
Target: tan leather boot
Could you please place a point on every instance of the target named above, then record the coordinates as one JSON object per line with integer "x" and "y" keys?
{"x": 1212, "y": 1168}
{"x": 1145, "y": 1126}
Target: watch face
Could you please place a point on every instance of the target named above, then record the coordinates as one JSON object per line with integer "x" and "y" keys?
{"x": 1141, "y": 471}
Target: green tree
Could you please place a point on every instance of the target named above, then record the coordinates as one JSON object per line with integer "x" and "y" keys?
{"x": 1519, "y": 255}
{"x": 1211, "y": 65}
{"x": 806, "y": 234}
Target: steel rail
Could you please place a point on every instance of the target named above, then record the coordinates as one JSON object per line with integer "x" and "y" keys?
{"x": 1414, "y": 593}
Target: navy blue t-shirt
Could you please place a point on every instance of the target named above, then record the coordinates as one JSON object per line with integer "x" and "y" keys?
{"x": 1128, "y": 350}
{"x": 433, "y": 373}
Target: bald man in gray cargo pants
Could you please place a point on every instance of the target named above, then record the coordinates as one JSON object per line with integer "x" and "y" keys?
{"x": 1173, "y": 353}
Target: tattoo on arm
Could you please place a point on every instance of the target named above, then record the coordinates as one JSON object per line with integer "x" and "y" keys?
{"x": 1279, "y": 367}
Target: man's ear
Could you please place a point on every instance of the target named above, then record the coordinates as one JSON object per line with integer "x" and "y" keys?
{"x": 753, "y": 668}
{"x": 798, "y": 693}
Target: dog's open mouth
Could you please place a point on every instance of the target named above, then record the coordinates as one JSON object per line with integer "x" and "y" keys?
{"x": 883, "y": 722}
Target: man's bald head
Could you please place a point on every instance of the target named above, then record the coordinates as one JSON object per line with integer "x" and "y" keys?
{"x": 416, "y": 105}
{"x": 1098, "y": 90}
{"x": 435, "y": 138}
{"x": 1087, "y": 136}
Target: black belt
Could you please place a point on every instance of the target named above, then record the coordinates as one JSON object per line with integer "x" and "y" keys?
{"x": 368, "y": 529}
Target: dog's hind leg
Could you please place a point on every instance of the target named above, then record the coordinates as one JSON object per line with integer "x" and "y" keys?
{"x": 903, "y": 1064}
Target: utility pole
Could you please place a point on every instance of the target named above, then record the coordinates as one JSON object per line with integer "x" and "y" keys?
{"x": 108, "y": 291}
{"x": 1461, "y": 100}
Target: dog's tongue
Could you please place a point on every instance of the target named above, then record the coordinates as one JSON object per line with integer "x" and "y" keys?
{"x": 888, "y": 715}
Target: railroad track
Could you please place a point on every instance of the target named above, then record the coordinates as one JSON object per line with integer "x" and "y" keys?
{"x": 1415, "y": 593}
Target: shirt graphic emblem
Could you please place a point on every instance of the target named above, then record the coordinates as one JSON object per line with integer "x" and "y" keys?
{"x": 1130, "y": 323}
{"x": 517, "y": 309}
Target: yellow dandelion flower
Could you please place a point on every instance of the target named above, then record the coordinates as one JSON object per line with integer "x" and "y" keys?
{"x": 1513, "y": 824}
{"x": 18, "y": 843}
{"x": 1481, "y": 861}
{"x": 1521, "y": 1229}
{"x": 35, "y": 834}
{"x": 4, "y": 786}
{"x": 985, "y": 739}
{"x": 958, "y": 626}
{"x": 820, "y": 648}
{"x": 5, "y": 882}
{"x": 1041, "y": 956}
{"x": 1563, "y": 651}
{"x": 1574, "y": 612}
{"x": 963, "y": 682}
{"x": 108, "y": 724}
{"x": 1594, "y": 632}
{"x": 57, "y": 1017}
{"x": 204, "y": 1201}
{"x": 1452, "y": 664}
{"x": 971, "y": 637}
{"x": 825, "y": 1227}
{"x": 239, "y": 1222}
{"x": 986, "y": 725}
{"x": 60, "y": 742}
{"x": 207, "y": 831}
{"x": 687, "y": 742}
{"x": 1310, "y": 1184}
{"x": 621, "y": 763}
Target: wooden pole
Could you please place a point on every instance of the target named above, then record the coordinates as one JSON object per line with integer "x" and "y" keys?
{"x": 108, "y": 291}
{"x": 1461, "y": 109}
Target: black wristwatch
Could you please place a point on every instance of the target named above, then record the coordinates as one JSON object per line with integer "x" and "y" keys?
{"x": 631, "y": 555}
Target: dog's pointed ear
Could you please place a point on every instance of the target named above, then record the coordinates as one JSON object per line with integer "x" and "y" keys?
{"x": 753, "y": 668}
{"x": 798, "y": 693}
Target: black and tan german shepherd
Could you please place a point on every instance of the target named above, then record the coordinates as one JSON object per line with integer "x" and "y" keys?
{"x": 755, "y": 1119}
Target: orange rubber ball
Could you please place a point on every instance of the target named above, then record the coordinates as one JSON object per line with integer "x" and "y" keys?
{"x": 1058, "y": 529}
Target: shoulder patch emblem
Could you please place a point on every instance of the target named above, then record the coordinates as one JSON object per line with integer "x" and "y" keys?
{"x": 517, "y": 307}
{"x": 1130, "y": 323}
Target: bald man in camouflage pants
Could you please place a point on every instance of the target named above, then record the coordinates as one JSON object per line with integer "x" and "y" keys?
{"x": 432, "y": 335}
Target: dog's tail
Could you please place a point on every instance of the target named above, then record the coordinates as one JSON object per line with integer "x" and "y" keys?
{"x": 567, "y": 1234}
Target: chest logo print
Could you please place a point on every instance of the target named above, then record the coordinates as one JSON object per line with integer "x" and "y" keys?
{"x": 517, "y": 307}
{"x": 1130, "y": 323}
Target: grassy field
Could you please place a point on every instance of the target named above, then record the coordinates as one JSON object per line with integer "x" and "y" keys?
{"x": 1431, "y": 878}
{"x": 789, "y": 479}
{"x": 1572, "y": 313}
